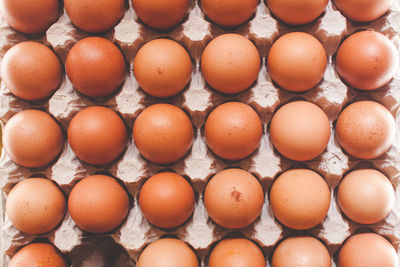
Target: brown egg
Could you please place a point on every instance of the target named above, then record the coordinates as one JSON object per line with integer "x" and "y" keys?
{"x": 163, "y": 133}
{"x": 300, "y": 130}
{"x": 366, "y": 196}
{"x": 365, "y": 129}
{"x": 38, "y": 255}
{"x": 31, "y": 71}
{"x": 367, "y": 250}
{"x": 161, "y": 14}
{"x": 299, "y": 67}
{"x": 98, "y": 204}
{"x": 229, "y": 13}
{"x": 162, "y": 67}
{"x": 230, "y": 63}
{"x": 167, "y": 200}
{"x": 95, "y": 66}
{"x": 32, "y": 138}
{"x": 234, "y": 198}
{"x": 233, "y": 130}
{"x": 297, "y": 12}
{"x": 236, "y": 252}
{"x": 30, "y": 16}
{"x": 367, "y": 60}
{"x": 300, "y": 209}
{"x": 301, "y": 251}
{"x": 97, "y": 135}
{"x": 94, "y": 16}
{"x": 363, "y": 11}
{"x": 168, "y": 252}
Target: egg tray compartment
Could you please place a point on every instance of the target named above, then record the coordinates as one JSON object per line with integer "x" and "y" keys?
{"x": 122, "y": 246}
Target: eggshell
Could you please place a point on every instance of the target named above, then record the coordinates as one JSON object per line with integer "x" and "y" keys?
{"x": 98, "y": 204}
{"x": 168, "y": 252}
{"x": 367, "y": 60}
{"x": 365, "y": 129}
{"x": 363, "y": 11}
{"x": 233, "y": 198}
{"x": 162, "y": 67}
{"x": 38, "y": 255}
{"x": 95, "y": 66}
{"x": 97, "y": 135}
{"x": 163, "y": 133}
{"x": 167, "y": 200}
{"x": 230, "y": 63}
{"x": 300, "y": 130}
{"x": 367, "y": 250}
{"x": 236, "y": 252}
{"x": 300, "y": 209}
{"x": 32, "y": 138}
{"x": 299, "y": 67}
{"x": 366, "y": 196}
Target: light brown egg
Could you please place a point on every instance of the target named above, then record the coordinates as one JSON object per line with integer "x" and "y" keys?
{"x": 300, "y": 130}
{"x": 299, "y": 67}
{"x": 161, "y": 14}
{"x": 98, "y": 204}
{"x": 367, "y": 60}
{"x": 163, "y": 133}
{"x": 94, "y": 16}
{"x": 297, "y": 12}
{"x": 230, "y": 63}
{"x": 167, "y": 200}
{"x": 367, "y": 250}
{"x": 365, "y": 129}
{"x": 168, "y": 252}
{"x": 233, "y": 130}
{"x": 236, "y": 252}
{"x": 32, "y": 138}
{"x": 30, "y": 16}
{"x": 38, "y": 255}
{"x": 301, "y": 251}
{"x": 363, "y": 11}
{"x": 162, "y": 67}
{"x": 31, "y": 71}
{"x": 300, "y": 209}
{"x": 95, "y": 66}
{"x": 97, "y": 135}
{"x": 234, "y": 198}
{"x": 229, "y": 13}
{"x": 366, "y": 196}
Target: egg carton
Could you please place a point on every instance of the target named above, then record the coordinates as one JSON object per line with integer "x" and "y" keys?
{"x": 123, "y": 246}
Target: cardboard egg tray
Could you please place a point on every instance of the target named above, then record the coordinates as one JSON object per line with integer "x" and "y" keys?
{"x": 123, "y": 246}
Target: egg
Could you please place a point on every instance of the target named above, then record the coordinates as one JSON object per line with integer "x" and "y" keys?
{"x": 233, "y": 198}
{"x": 31, "y": 71}
{"x": 300, "y": 130}
{"x": 162, "y": 67}
{"x": 297, "y": 12}
{"x": 300, "y": 209}
{"x": 98, "y": 204}
{"x": 166, "y": 200}
{"x": 299, "y": 67}
{"x": 161, "y": 14}
{"x": 94, "y": 16}
{"x": 32, "y": 138}
{"x": 236, "y": 252}
{"x": 367, "y": 60}
{"x": 168, "y": 252}
{"x": 367, "y": 250}
{"x": 30, "y": 16}
{"x": 363, "y": 11}
{"x": 96, "y": 67}
{"x": 230, "y": 63}
{"x": 366, "y": 196}
{"x": 365, "y": 129}
{"x": 229, "y": 13}
{"x": 38, "y": 255}
{"x": 163, "y": 133}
